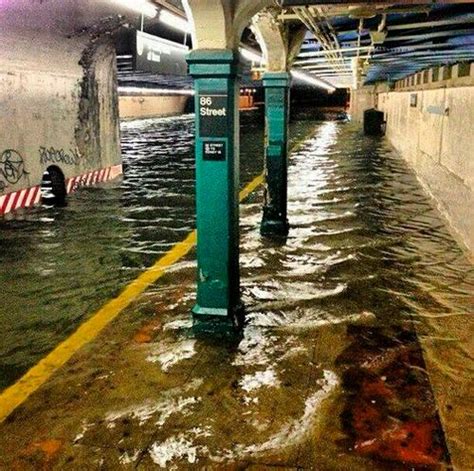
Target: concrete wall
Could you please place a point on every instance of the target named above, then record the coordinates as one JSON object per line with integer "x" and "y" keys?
{"x": 431, "y": 124}
{"x": 436, "y": 136}
{"x": 58, "y": 93}
{"x": 362, "y": 99}
{"x": 151, "y": 106}
{"x": 365, "y": 98}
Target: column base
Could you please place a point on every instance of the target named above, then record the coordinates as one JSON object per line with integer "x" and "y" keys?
{"x": 275, "y": 227}
{"x": 208, "y": 319}
{"x": 210, "y": 311}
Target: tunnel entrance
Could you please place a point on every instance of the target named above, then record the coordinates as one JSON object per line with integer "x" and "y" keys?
{"x": 53, "y": 187}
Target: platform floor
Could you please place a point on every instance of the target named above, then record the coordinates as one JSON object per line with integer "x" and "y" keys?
{"x": 356, "y": 354}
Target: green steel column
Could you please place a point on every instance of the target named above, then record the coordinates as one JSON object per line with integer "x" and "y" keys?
{"x": 277, "y": 86}
{"x": 215, "y": 74}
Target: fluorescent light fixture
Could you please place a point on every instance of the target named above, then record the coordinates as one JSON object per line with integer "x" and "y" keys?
{"x": 255, "y": 57}
{"x": 311, "y": 80}
{"x": 137, "y": 91}
{"x": 250, "y": 55}
{"x": 140, "y": 6}
{"x": 175, "y": 21}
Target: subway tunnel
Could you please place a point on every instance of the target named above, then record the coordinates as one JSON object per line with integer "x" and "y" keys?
{"x": 236, "y": 234}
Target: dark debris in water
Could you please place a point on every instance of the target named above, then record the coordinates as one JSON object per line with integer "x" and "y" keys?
{"x": 390, "y": 412}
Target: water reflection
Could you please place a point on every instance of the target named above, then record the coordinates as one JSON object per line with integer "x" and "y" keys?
{"x": 58, "y": 266}
{"x": 368, "y": 246}
{"x": 357, "y": 344}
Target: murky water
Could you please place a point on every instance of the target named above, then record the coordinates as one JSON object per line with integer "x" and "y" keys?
{"x": 59, "y": 266}
{"x": 367, "y": 246}
{"x": 357, "y": 345}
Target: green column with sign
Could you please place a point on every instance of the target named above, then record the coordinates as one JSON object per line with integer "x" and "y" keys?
{"x": 215, "y": 76}
{"x": 277, "y": 86}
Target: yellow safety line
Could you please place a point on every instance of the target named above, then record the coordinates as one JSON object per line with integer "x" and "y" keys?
{"x": 251, "y": 187}
{"x": 16, "y": 394}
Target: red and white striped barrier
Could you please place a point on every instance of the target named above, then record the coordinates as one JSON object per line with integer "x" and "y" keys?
{"x": 20, "y": 199}
{"x": 97, "y": 176}
{"x": 32, "y": 196}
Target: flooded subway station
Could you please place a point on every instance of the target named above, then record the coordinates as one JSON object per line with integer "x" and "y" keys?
{"x": 319, "y": 318}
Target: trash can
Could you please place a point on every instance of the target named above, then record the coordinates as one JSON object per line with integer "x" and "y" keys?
{"x": 374, "y": 124}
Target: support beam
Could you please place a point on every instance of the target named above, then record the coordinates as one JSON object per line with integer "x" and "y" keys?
{"x": 217, "y": 182}
{"x": 275, "y": 220}
{"x": 295, "y": 42}
{"x": 214, "y": 66}
{"x": 274, "y": 40}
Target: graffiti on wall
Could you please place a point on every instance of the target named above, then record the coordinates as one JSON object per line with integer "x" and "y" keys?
{"x": 12, "y": 168}
{"x": 58, "y": 156}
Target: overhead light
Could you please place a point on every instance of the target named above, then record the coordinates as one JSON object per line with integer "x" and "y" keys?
{"x": 311, "y": 80}
{"x": 175, "y": 21}
{"x": 250, "y": 55}
{"x": 140, "y": 6}
{"x": 254, "y": 57}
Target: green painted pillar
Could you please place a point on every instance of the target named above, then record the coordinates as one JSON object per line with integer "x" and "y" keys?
{"x": 277, "y": 97}
{"x": 215, "y": 74}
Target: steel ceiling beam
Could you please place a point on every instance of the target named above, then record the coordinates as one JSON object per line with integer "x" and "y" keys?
{"x": 411, "y": 51}
{"x": 462, "y": 19}
{"x": 439, "y": 34}
{"x": 300, "y": 3}
{"x": 419, "y": 47}
{"x": 467, "y": 18}
{"x": 421, "y": 54}
{"x": 324, "y": 33}
{"x": 342, "y": 49}
{"x": 322, "y": 67}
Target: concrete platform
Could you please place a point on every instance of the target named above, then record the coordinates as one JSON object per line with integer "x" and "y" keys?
{"x": 150, "y": 394}
{"x": 328, "y": 374}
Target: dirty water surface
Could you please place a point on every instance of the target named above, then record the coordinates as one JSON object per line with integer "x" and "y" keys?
{"x": 356, "y": 353}
{"x": 59, "y": 266}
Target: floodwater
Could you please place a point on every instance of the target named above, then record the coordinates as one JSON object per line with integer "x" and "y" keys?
{"x": 369, "y": 300}
{"x": 58, "y": 266}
